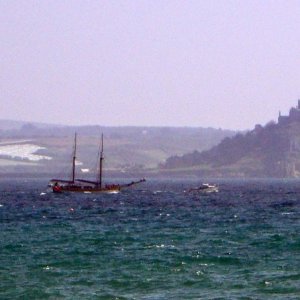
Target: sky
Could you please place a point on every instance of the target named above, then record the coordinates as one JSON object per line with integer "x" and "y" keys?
{"x": 222, "y": 64}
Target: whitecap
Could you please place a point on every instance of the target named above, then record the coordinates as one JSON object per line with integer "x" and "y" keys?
{"x": 157, "y": 192}
{"x": 176, "y": 270}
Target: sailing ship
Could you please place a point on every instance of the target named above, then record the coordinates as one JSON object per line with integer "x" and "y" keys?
{"x": 87, "y": 186}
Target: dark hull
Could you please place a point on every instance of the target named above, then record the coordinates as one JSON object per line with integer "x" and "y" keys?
{"x": 92, "y": 188}
{"x": 86, "y": 189}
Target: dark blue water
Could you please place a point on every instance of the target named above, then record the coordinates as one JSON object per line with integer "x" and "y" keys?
{"x": 154, "y": 243}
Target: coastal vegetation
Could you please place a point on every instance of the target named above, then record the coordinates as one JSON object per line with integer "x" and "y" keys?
{"x": 272, "y": 150}
{"x": 40, "y": 148}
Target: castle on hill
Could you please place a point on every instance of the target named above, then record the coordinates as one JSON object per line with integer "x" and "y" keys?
{"x": 294, "y": 116}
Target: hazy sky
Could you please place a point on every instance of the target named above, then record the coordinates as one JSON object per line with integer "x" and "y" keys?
{"x": 228, "y": 64}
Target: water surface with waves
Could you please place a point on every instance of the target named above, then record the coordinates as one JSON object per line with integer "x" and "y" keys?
{"x": 154, "y": 242}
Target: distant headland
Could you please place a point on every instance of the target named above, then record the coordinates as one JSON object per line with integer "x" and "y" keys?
{"x": 272, "y": 150}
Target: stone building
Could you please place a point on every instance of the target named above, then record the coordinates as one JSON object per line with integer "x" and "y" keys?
{"x": 294, "y": 116}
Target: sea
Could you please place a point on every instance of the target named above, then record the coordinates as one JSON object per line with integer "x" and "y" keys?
{"x": 156, "y": 241}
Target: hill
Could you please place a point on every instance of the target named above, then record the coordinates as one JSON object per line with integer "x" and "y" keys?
{"x": 45, "y": 148}
{"x": 269, "y": 151}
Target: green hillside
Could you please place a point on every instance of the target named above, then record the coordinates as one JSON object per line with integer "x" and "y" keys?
{"x": 269, "y": 151}
{"x": 126, "y": 149}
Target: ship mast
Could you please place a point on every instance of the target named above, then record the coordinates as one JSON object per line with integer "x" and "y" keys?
{"x": 101, "y": 163}
{"x": 74, "y": 159}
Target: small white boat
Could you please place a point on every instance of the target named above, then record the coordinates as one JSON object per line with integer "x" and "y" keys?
{"x": 205, "y": 188}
